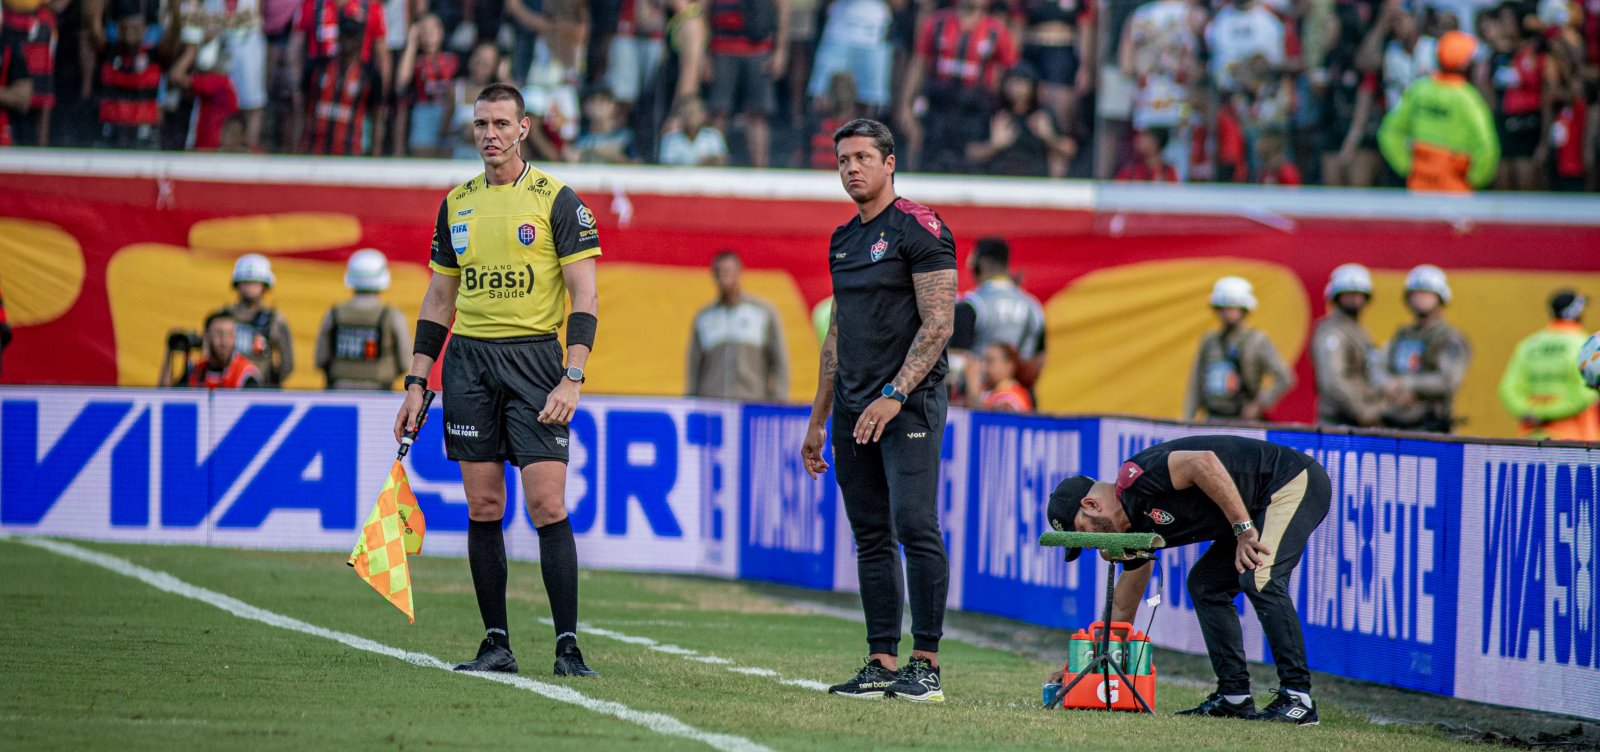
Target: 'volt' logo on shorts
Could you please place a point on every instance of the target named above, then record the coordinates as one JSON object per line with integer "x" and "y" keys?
{"x": 917, "y": 435}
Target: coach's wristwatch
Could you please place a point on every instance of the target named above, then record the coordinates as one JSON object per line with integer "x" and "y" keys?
{"x": 893, "y": 393}
{"x": 575, "y": 373}
{"x": 1240, "y": 528}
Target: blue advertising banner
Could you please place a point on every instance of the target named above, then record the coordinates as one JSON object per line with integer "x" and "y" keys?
{"x": 788, "y": 531}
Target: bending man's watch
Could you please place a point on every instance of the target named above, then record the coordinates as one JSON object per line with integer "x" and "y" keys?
{"x": 575, "y": 373}
{"x": 1240, "y": 528}
{"x": 893, "y": 393}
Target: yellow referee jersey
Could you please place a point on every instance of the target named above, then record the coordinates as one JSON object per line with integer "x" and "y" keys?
{"x": 508, "y": 243}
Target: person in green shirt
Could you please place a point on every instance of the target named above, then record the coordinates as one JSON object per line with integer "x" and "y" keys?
{"x": 1543, "y": 388}
{"x": 1441, "y": 136}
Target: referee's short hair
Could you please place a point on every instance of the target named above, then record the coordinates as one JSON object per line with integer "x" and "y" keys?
{"x": 503, "y": 92}
{"x": 882, "y": 139}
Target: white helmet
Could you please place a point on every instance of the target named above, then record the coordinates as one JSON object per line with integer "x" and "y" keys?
{"x": 368, "y": 271}
{"x": 1349, "y": 278}
{"x": 1233, "y": 292}
{"x": 1428, "y": 278}
{"x": 252, "y": 267}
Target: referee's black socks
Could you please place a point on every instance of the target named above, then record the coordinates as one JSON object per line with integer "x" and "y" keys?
{"x": 558, "y": 562}
{"x": 486, "y": 553}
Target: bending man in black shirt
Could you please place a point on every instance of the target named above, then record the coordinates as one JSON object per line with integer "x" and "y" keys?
{"x": 883, "y": 366}
{"x": 1257, "y": 503}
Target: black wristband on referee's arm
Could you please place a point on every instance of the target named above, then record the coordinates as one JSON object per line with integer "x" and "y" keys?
{"x": 416, "y": 381}
{"x": 430, "y": 338}
{"x": 580, "y": 329}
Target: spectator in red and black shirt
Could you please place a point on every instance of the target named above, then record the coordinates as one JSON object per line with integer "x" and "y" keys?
{"x": 130, "y": 88}
{"x": 749, "y": 50}
{"x": 343, "y": 95}
{"x": 16, "y": 87}
{"x": 961, "y": 53}
{"x": 317, "y": 38}
{"x": 1147, "y": 166}
{"x": 35, "y": 32}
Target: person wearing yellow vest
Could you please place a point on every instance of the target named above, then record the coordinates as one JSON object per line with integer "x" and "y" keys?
{"x": 1441, "y": 137}
{"x": 1542, "y": 389}
{"x": 363, "y": 343}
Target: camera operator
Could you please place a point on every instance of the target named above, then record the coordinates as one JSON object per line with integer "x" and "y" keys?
{"x": 217, "y": 366}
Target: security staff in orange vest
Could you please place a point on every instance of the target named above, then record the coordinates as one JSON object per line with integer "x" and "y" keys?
{"x": 218, "y": 366}
{"x": 363, "y": 343}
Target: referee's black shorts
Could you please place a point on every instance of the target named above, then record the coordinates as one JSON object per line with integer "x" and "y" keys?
{"x": 493, "y": 392}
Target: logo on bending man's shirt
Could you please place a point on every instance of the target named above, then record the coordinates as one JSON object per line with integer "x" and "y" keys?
{"x": 1161, "y": 516}
{"x": 1126, "y": 475}
{"x": 585, "y": 217}
{"x": 526, "y": 234}
{"x": 879, "y": 248}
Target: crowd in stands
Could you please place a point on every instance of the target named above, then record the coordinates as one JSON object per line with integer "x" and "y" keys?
{"x": 1244, "y": 91}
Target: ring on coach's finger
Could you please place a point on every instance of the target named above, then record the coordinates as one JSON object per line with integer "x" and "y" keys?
{"x": 872, "y": 422}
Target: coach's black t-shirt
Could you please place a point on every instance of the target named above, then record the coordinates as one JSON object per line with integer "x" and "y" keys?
{"x": 1144, "y": 485}
{"x": 874, "y": 303}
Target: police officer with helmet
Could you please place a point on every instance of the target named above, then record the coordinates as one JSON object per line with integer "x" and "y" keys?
{"x": 262, "y": 334}
{"x": 1427, "y": 358}
{"x": 363, "y": 343}
{"x": 1234, "y": 360}
{"x": 1344, "y": 357}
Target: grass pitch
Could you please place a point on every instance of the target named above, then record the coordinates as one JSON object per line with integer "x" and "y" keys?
{"x": 95, "y": 660}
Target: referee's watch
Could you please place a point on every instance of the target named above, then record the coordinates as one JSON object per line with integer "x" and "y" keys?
{"x": 893, "y": 393}
{"x": 574, "y": 373}
{"x": 1240, "y": 528}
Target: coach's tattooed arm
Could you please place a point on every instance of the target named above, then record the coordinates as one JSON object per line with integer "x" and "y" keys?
{"x": 936, "y": 302}
{"x": 822, "y": 405}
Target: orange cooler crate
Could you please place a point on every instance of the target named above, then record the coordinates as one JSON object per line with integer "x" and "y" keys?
{"x": 1130, "y": 648}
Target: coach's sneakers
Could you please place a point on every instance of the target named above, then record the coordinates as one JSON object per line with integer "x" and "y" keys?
{"x": 869, "y": 682}
{"x": 918, "y": 682}
{"x": 1217, "y": 706}
{"x": 569, "y": 662}
{"x": 491, "y": 657}
{"x": 1289, "y": 707}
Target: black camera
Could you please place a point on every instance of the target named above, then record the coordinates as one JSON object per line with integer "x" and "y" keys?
{"x": 184, "y": 341}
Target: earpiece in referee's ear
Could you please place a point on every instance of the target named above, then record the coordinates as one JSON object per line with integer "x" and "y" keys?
{"x": 522, "y": 134}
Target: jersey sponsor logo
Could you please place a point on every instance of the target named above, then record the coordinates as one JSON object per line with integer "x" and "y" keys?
{"x": 540, "y": 186}
{"x": 526, "y": 234}
{"x": 458, "y": 237}
{"x": 500, "y": 281}
{"x": 585, "y": 217}
{"x": 461, "y": 429}
{"x": 1160, "y": 516}
{"x": 879, "y": 248}
{"x": 464, "y": 213}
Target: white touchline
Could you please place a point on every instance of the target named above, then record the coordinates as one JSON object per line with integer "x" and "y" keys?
{"x": 657, "y": 722}
{"x": 696, "y": 656}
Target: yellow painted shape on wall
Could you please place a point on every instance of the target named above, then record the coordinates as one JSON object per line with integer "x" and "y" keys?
{"x": 154, "y": 288}
{"x": 1495, "y": 309}
{"x": 1123, "y": 339}
{"x": 41, "y": 270}
{"x": 290, "y": 232}
{"x": 647, "y": 312}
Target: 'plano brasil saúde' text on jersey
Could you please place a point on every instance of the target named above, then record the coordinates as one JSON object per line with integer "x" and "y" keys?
{"x": 508, "y": 243}
{"x": 875, "y": 303}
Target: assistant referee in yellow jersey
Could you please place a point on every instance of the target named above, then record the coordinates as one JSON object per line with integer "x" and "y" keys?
{"x": 508, "y": 248}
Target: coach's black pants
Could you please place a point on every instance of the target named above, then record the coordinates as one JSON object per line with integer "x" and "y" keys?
{"x": 891, "y": 495}
{"x": 1296, "y": 510}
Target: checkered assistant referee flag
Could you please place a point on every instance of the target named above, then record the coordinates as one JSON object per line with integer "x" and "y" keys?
{"x": 393, "y": 529}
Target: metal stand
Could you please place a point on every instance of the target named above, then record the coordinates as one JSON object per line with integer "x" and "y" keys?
{"x": 1103, "y": 661}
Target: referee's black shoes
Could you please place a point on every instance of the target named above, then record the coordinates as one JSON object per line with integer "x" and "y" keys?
{"x": 569, "y": 662}
{"x": 869, "y": 682}
{"x": 1217, "y": 706}
{"x": 1289, "y": 707}
{"x": 491, "y": 657}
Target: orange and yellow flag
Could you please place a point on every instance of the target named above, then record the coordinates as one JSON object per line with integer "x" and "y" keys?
{"x": 393, "y": 529}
